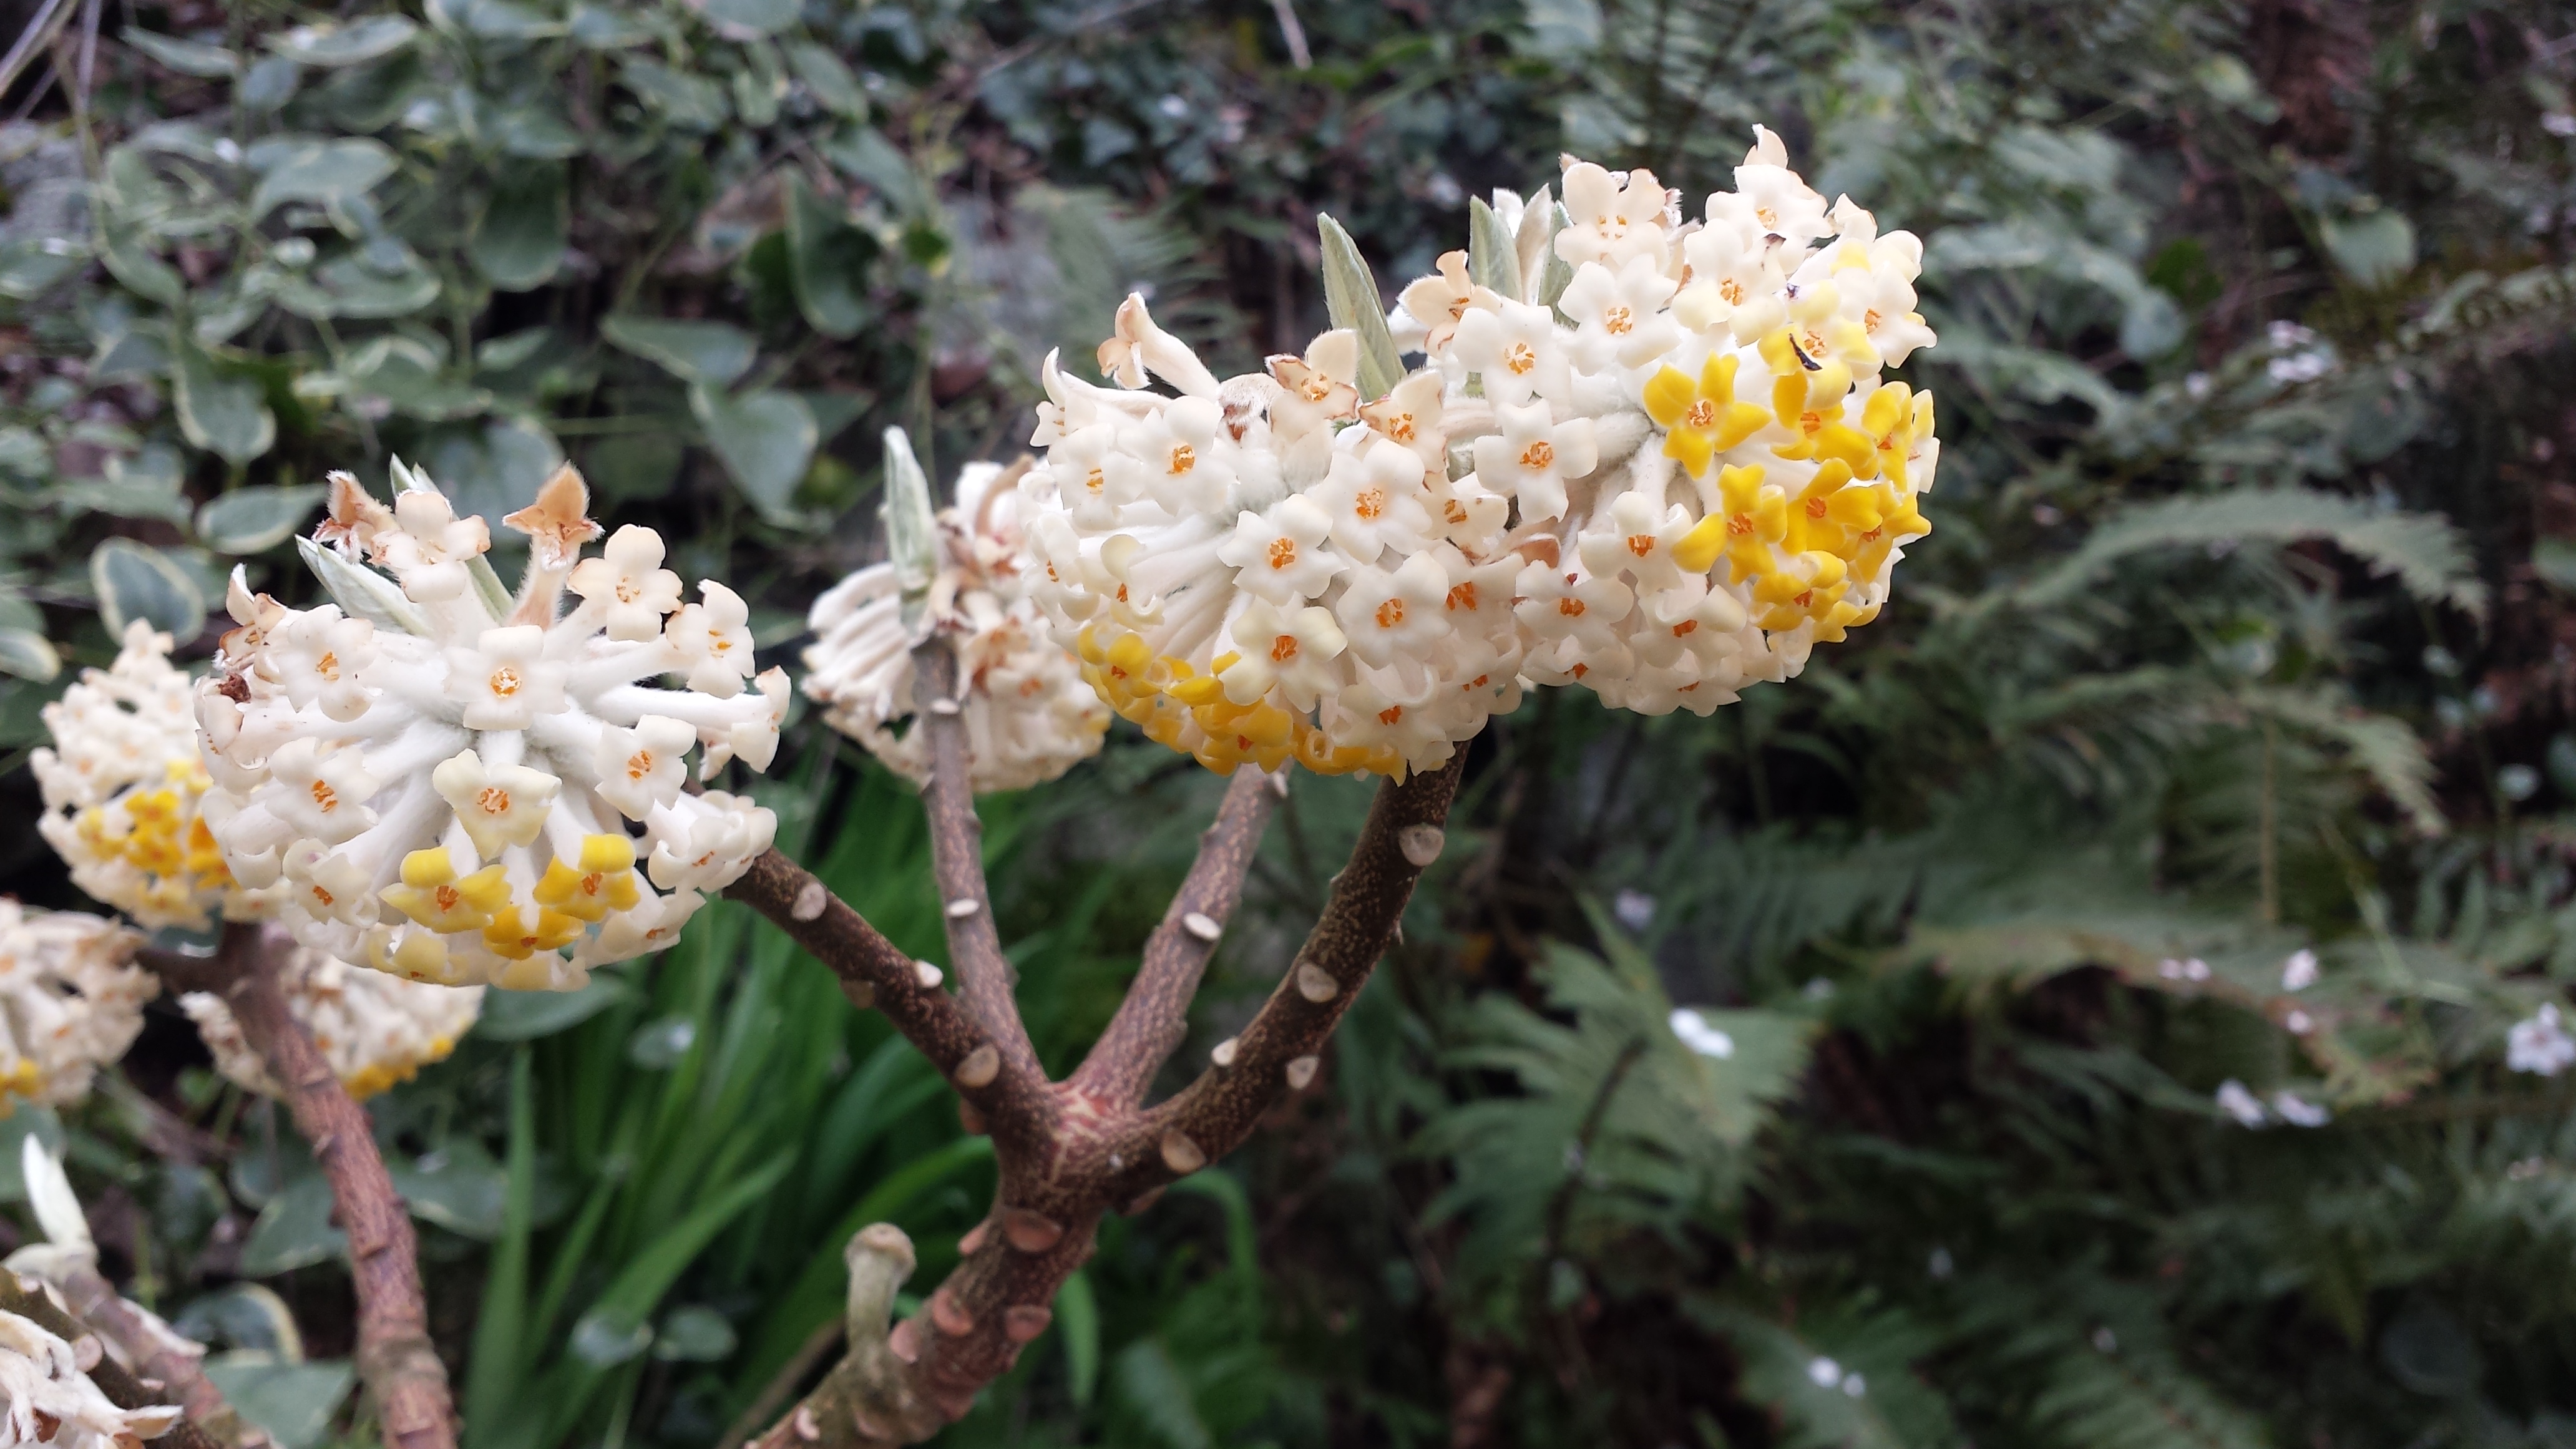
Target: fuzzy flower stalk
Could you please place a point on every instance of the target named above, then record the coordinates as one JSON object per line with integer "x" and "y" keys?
{"x": 1651, "y": 456}
{"x": 1029, "y": 714}
{"x": 444, "y": 779}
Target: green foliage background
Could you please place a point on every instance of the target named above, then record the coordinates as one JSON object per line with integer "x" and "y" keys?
{"x": 2244, "y": 630}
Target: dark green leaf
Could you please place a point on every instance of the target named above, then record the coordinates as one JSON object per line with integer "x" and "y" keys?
{"x": 359, "y": 41}
{"x": 325, "y": 173}
{"x": 834, "y": 88}
{"x": 294, "y": 1402}
{"x": 1351, "y": 298}
{"x": 827, "y": 263}
{"x": 710, "y": 354}
{"x": 188, "y": 57}
{"x": 527, "y": 1015}
{"x": 520, "y": 239}
{"x": 294, "y": 1230}
{"x": 690, "y": 102}
{"x": 754, "y": 17}
{"x": 766, "y": 440}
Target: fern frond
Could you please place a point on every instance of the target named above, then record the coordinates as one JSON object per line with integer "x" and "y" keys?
{"x": 2425, "y": 553}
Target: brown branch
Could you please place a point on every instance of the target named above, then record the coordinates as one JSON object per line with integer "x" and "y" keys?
{"x": 1154, "y": 1017}
{"x": 957, "y": 859}
{"x": 395, "y": 1358}
{"x": 161, "y": 1357}
{"x": 122, "y": 1386}
{"x": 1278, "y": 1051}
{"x": 899, "y": 1386}
{"x": 1018, "y": 1108}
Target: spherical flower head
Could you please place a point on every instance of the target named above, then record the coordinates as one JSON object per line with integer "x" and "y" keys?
{"x": 1667, "y": 480}
{"x": 1029, "y": 715}
{"x": 374, "y": 1029}
{"x": 70, "y": 1002}
{"x": 475, "y": 791}
{"x": 46, "y": 1397}
{"x": 124, "y": 788}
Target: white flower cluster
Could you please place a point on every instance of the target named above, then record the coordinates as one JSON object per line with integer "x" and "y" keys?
{"x": 70, "y": 1002}
{"x": 1652, "y": 457}
{"x": 123, "y": 784}
{"x": 50, "y": 1399}
{"x": 1029, "y": 715}
{"x": 440, "y": 773}
{"x": 374, "y": 1029}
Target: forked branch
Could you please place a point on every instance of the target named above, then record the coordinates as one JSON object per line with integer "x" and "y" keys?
{"x": 1086, "y": 1146}
{"x": 395, "y": 1359}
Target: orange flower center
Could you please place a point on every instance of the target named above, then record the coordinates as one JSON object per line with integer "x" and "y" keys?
{"x": 1184, "y": 457}
{"x": 1702, "y": 414}
{"x": 1570, "y": 608}
{"x": 505, "y": 681}
{"x": 1684, "y": 627}
{"x": 1370, "y": 503}
{"x": 1641, "y": 544}
{"x": 493, "y": 799}
{"x": 1463, "y": 596}
{"x": 328, "y": 666}
{"x": 1390, "y": 613}
{"x": 639, "y": 764}
{"x": 1618, "y": 322}
{"x": 1815, "y": 508}
{"x": 1283, "y": 648}
{"x": 1389, "y": 715}
{"x": 1519, "y": 359}
{"x": 1733, "y": 291}
{"x": 325, "y": 799}
{"x": 1538, "y": 454}
{"x": 1740, "y": 525}
{"x": 1283, "y": 552}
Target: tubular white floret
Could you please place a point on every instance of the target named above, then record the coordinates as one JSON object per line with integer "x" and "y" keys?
{"x": 439, "y": 779}
{"x": 46, "y": 1397}
{"x": 1665, "y": 482}
{"x": 70, "y": 1002}
{"x": 375, "y": 1030}
{"x": 1029, "y": 716}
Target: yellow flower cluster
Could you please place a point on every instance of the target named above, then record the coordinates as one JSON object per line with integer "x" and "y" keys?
{"x": 123, "y": 788}
{"x": 1184, "y": 709}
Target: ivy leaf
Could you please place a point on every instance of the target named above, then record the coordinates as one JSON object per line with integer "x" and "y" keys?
{"x": 30, "y": 267}
{"x": 2374, "y": 248}
{"x": 709, "y": 354}
{"x": 520, "y": 240}
{"x": 138, "y": 581}
{"x": 509, "y": 20}
{"x": 28, "y": 655}
{"x": 827, "y": 261}
{"x": 327, "y": 173}
{"x": 765, "y": 438}
{"x": 329, "y": 45}
{"x": 248, "y": 520}
{"x": 294, "y": 1402}
{"x": 690, "y": 102}
{"x": 834, "y": 88}
{"x": 748, "y": 17}
{"x": 188, "y": 57}
{"x": 220, "y": 412}
{"x": 605, "y": 27}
